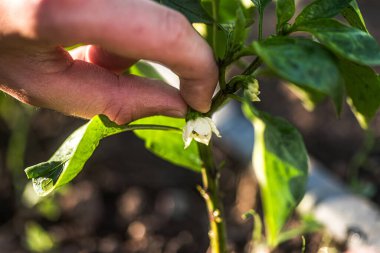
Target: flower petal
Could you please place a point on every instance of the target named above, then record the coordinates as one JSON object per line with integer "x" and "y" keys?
{"x": 213, "y": 127}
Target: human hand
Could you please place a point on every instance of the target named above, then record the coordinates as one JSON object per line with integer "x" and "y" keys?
{"x": 36, "y": 70}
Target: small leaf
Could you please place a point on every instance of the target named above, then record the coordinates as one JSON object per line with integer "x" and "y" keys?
{"x": 192, "y": 9}
{"x": 281, "y": 167}
{"x": 285, "y": 10}
{"x": 354, "y": 16}
{"x": 70, "y": 158}
{"x": 347, "y": 42}
{"x": 239, "y": 33}
{"x": 322, "y": 9}
{"x": 304, "y": 63}
{"x": 169, "y": 145}
{"x": 363, "y": 90}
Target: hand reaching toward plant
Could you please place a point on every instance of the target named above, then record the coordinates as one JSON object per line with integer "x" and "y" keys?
{"x": 35, "y": 68}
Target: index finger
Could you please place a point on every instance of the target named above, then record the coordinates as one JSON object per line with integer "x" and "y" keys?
{"x": 139, "y": 29}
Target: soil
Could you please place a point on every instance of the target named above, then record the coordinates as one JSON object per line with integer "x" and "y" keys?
{"x": 128, "y": 200}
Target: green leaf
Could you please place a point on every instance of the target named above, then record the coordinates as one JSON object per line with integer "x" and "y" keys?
{"x": 70, "y": 158}
{"x": 169, "y": 145}
{"x": 144, "y": 69}
{"x": 281, "y": 167}
{"x": 37, "y": 238}
{"x": 192, "y": 9}
{"x": 304, "y": 63}
{"x": 322, "y": 9}
{"x": 285, "y": 10}
{"x": 354, "y": 16}
{"x": 239, "y": 33}
{"x": 68, "y": 48}
{"x": 363, "y": 90}
{"x": 347, "y": 42}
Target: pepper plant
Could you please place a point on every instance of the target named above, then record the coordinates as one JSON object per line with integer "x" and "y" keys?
{"x": 320, "y": 55}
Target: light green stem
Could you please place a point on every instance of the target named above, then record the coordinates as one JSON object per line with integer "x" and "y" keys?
{"x": 210, "y": 193}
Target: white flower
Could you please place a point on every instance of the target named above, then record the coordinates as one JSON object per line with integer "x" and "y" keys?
{"x": 199, "y": 129}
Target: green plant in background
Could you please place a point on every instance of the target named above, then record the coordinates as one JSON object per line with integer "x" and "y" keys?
{"x": 37, "y": 239}
{"x": 314, "y": 52}
{"x": 17, "y": 118}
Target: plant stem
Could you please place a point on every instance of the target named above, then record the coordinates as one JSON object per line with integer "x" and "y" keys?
{"x": 261, "y": 15}
{"x": 223, "y": 95}
{"x": 210, "y": 193}
{"x": 255, "y": 64}
{"x": 215, "y": 7}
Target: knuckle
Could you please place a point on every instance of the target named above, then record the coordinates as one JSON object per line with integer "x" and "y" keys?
{"x": 120, "y": 111}
{"x": 117, "y": 113}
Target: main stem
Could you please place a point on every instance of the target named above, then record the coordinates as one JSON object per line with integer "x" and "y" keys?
{"x": 210, "y": 173}
{"x": 210, "y": 193}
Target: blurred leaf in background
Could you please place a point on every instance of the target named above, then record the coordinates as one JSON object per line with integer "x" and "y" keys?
{"x": 37, "y": 239}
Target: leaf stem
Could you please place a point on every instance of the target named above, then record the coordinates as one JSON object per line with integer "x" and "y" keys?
{"x": 255, "y": 64}
{"x": 261, "y": 25}
{"x": 133, "y": 127}
{"x": 210, "y": 193}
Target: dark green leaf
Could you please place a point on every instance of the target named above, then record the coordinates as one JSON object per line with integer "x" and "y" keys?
{"x": 354, "y": 16}
{"x": 281, "y": 167}
{"x": 285, "y": 10}
{"x": 363, "y": 90}
{"x": 322, "y": 9}
{"x": 70, "y": 158}
{"x": 169, "y": 145}
{"x": 347, "y": 42}
{"x": 192, "y": 9}
{"x": 304, "y": 63}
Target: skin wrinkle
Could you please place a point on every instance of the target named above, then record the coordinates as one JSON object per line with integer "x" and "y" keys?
{"x": 113, "y": 102}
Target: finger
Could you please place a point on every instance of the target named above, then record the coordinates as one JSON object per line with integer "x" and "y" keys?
{"x": 82, "y": 89}
{"x": 103, "y": 58}
{"x": 136, "y": 29}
